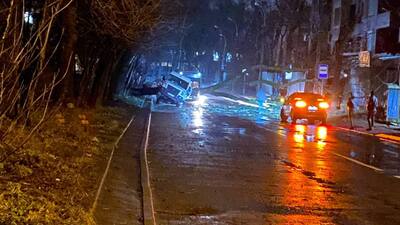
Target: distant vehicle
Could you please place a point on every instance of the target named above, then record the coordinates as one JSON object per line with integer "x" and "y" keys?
{"x": 176, "y": 89}
{"x": 302, "y": 105}
{"x": 195, "y": 77}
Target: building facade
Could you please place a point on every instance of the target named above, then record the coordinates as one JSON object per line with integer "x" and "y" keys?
{"x": 370, "y": 37}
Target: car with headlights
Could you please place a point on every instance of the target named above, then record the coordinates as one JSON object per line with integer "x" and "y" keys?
{"x": 305, "y": 105}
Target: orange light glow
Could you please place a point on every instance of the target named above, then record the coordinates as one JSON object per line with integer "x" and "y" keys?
{"x": 301, "y": 104}
{"x": 300, "y": 128}
{"x": 321, "y": 145}
{"x": 322, "y": 133}
{"x": 323, "y": 105}
{"x": 299, "y": 138}
{"x": 299, "y": 134}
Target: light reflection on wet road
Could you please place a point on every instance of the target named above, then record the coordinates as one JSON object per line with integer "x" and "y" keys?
{"x": 225, "y": 163}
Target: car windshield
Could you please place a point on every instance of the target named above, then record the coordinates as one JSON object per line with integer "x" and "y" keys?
{"x": 173, "y": 90}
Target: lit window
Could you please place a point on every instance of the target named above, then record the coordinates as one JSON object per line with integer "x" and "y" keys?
{"x": 28, "y": 18}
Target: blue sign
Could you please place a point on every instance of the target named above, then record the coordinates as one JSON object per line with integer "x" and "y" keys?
{"x": 393, "y": 111}
{"x": 323, "y": 71}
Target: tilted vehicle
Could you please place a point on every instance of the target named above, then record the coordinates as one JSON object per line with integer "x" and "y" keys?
{"x": 177, "y": 89}
{"x": 303, "y": 105}
{"x": 195, "y": 77}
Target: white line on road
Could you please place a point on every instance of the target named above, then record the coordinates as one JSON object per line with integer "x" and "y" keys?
{"x": 337, "y": 154}
{"x": 273, "y": 131}
{"x": 391, "y": 152}
{"x": 358, "y": 162}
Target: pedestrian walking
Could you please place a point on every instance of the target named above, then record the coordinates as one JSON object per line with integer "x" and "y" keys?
{"x": 372, "y": 104}
{"x": 350, "y": 109}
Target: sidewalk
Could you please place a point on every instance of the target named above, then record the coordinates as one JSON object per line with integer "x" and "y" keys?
{"x": 360, "y": 124}
{"x": 120, "y": 201}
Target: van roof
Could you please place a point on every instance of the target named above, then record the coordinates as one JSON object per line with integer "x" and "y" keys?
{"x": 181, "y": 77}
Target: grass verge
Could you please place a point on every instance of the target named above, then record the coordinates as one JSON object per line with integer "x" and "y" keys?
{"x": 54, "y": 178}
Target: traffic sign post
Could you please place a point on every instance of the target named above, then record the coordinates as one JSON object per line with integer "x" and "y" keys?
{"x": 365, "y": 59}
{"x": 323, "y": 74}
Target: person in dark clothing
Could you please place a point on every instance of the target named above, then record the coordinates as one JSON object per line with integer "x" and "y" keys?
{"x": 350, "y": 109}
{"x": 372, "y": 104}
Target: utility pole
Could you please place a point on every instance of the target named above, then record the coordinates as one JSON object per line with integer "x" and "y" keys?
{"x": 262, "y": 45}
{"x": 317, "y": 21}
{"x": 235, "y": 42}
{"x": 223, "y": 59}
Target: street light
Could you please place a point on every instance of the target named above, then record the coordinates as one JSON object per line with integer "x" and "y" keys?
{"x": 262, "y": 43}
{"x": 245, "y": 74}
{"x": 223, "y": 53}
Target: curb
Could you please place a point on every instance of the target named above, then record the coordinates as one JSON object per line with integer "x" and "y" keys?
{"x": 100, "y": 188}
{"x": 384, "y": 137}
{"x": 147, "y": 204}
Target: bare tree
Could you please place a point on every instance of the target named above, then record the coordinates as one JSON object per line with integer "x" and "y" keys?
{"x": 26, "y": 80}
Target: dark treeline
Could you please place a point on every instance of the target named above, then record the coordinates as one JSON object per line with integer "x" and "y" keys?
{"x": 68, "y": 50}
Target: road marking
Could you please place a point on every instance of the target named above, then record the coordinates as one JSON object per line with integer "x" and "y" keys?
{"x": 391, "y": 152}
{"x": 96, "y": 199}
{"x": 355, "y": 131}
{"x": 358, "y": 162}
{"x": 388, "y": 137}
{"x": 273, "y": 131}
{"x": 146, "y": 144}
{"x": 382, "y": 137}
{"x": 240, "y": 102}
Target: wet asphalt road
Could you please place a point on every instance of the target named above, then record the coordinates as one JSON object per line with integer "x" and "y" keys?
{"x": 225, "y": 163}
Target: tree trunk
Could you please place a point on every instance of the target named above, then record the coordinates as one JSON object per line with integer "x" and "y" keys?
{"x": 103, "y": 72}
{"x": 69, "y": 19}
{"x": 115, "y": 74}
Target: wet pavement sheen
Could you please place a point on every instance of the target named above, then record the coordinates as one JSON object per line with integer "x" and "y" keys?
{"x": 221, "y": 162}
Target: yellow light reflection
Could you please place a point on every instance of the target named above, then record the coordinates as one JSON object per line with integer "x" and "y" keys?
{"x": 298, "y": 137}
{"x": 321, "y": 145}
{"x": 322, "y": 133}
{"x": 299, "y": 134}
{"x": 297, "y": 185}
{"x": 300, "y": 128}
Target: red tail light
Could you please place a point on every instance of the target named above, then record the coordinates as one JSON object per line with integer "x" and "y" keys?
{"x": 301, "y": 104}
{"x": 323, "y": 105}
